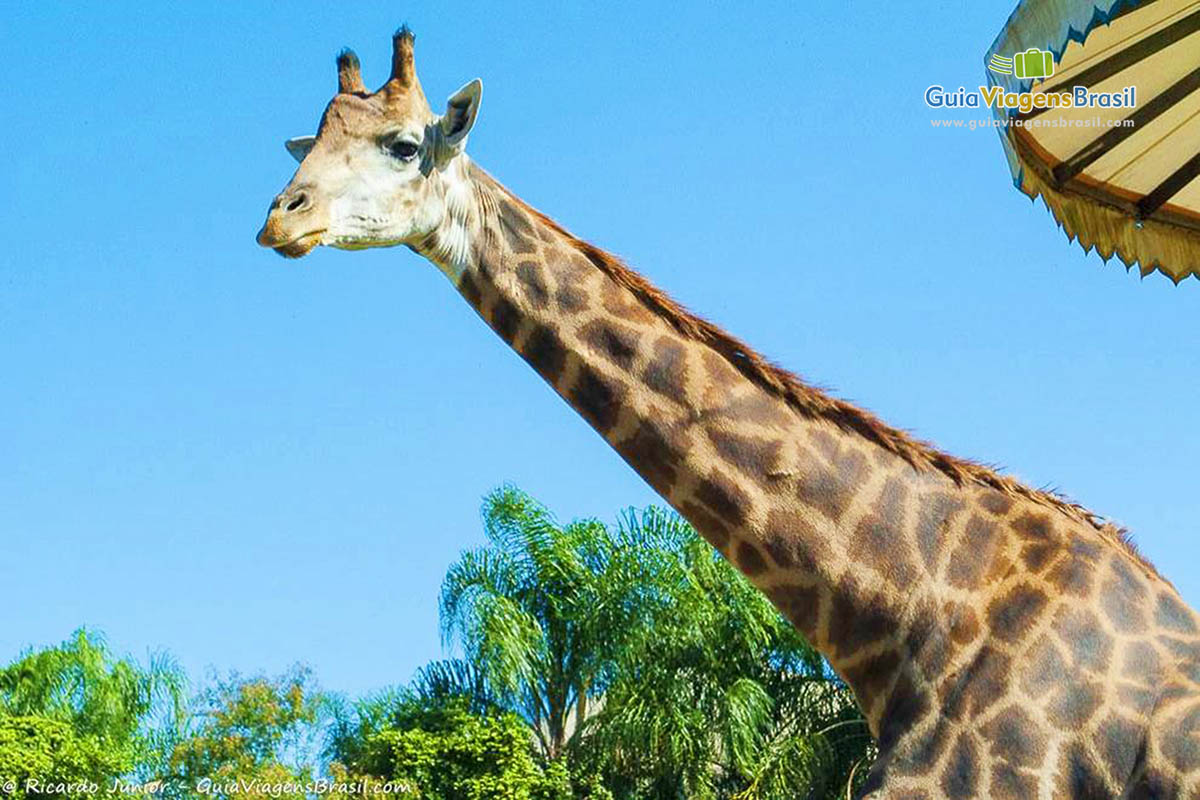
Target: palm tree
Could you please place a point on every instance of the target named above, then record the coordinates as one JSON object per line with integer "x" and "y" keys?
{"x": 127, "y": 708}
{"x": 643, "y": 655}
{"x": 718, "y": 695}
{"x": 816, "y": 743}
{"x": 543, "y": 612}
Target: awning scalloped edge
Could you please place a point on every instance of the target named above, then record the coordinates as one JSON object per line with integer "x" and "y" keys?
{"x": 1156, "y": 245}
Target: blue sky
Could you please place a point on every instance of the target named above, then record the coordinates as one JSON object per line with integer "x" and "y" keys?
{"x": 252, "y": 462}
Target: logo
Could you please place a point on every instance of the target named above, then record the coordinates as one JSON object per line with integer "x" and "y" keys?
{"x": 1033, "y": 63}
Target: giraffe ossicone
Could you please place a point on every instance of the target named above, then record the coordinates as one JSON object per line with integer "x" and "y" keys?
{"x": 1002, "y": 642}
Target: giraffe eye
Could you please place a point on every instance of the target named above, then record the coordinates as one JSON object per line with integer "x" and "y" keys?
{"x": 403, "y": 149}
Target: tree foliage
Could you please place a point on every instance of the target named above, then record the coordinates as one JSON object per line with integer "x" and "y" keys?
{"x": 38, "y": 751}
{"x": 263, "y": 732}
{"x": 543, "y": 611}
{"x": 599, "y": 663}
{"x": 81, "y": 696}
{"x": 446, "y": 751}
{"x": 717, "y": 695}
{"x": 640, "y": 655}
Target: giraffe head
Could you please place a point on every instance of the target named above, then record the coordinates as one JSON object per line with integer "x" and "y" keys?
{"x": 375, "y": 173}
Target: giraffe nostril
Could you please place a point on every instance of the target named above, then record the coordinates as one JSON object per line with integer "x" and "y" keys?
{"x": 298, "y": 202}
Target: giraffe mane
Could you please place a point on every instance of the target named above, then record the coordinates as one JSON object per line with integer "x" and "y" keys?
{"x": 813, "y": 403}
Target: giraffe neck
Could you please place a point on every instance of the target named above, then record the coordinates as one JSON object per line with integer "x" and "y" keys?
{"x": 838, "y": 532}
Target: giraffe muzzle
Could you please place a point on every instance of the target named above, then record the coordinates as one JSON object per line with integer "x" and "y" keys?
{"x": 293, "y": 228}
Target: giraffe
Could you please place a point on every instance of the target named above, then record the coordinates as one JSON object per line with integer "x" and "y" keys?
{"x": 1000, "y": 641}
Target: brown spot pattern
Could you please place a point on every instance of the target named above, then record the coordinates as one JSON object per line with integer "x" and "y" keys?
{"x": 1073, "y": 704}
{"x": 597, "y": 398}
{"x": 544, "y": 351}
{"x": 1010, "y": 615}
{"x": 791, "y": 541}
{"x": 995, "y": 503}
{"x": 1087, "y": 645}
{"x": 506, "y": 319}
{"x": 750, "y": 560}
{"x": 666, "y": 372}
{"x": 723, "y": 498}
{"x": 979, "y": 685}
{"x": 856, "y": 620}
{"x": 800, "y": 604}
{"x": 612, "y": 341}
{"x": 933, "y": 520}
{"x": 529, "y": 275}
{"x": 712, "y": 529}
{"x": 974, "y": 555}
{"x": 650, "y": 449}
{"x": 1043, "y": 665}
{"x": 831, "y": 488}
{"x": 754, "y": 456}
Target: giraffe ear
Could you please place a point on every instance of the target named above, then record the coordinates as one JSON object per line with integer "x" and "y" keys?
{"x": 461, "y": 109}
{"x": 300, "y": 146}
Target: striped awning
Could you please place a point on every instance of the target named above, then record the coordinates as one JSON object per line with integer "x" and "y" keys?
{"x": 1124, "y": 180}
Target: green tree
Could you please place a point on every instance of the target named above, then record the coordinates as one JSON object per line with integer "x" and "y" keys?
{"x": 261, "y": 731}
{"x": 543, "y": 611}
{"x": 102, "y": 704}
{"x": 644, "y": 657}
{"x": 443, "y": 750}
{"x": 37, "y": 752}
{"x": 718, "y": 695}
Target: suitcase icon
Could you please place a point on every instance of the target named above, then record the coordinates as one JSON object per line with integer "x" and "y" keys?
{"x": 1033, "y": 63}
